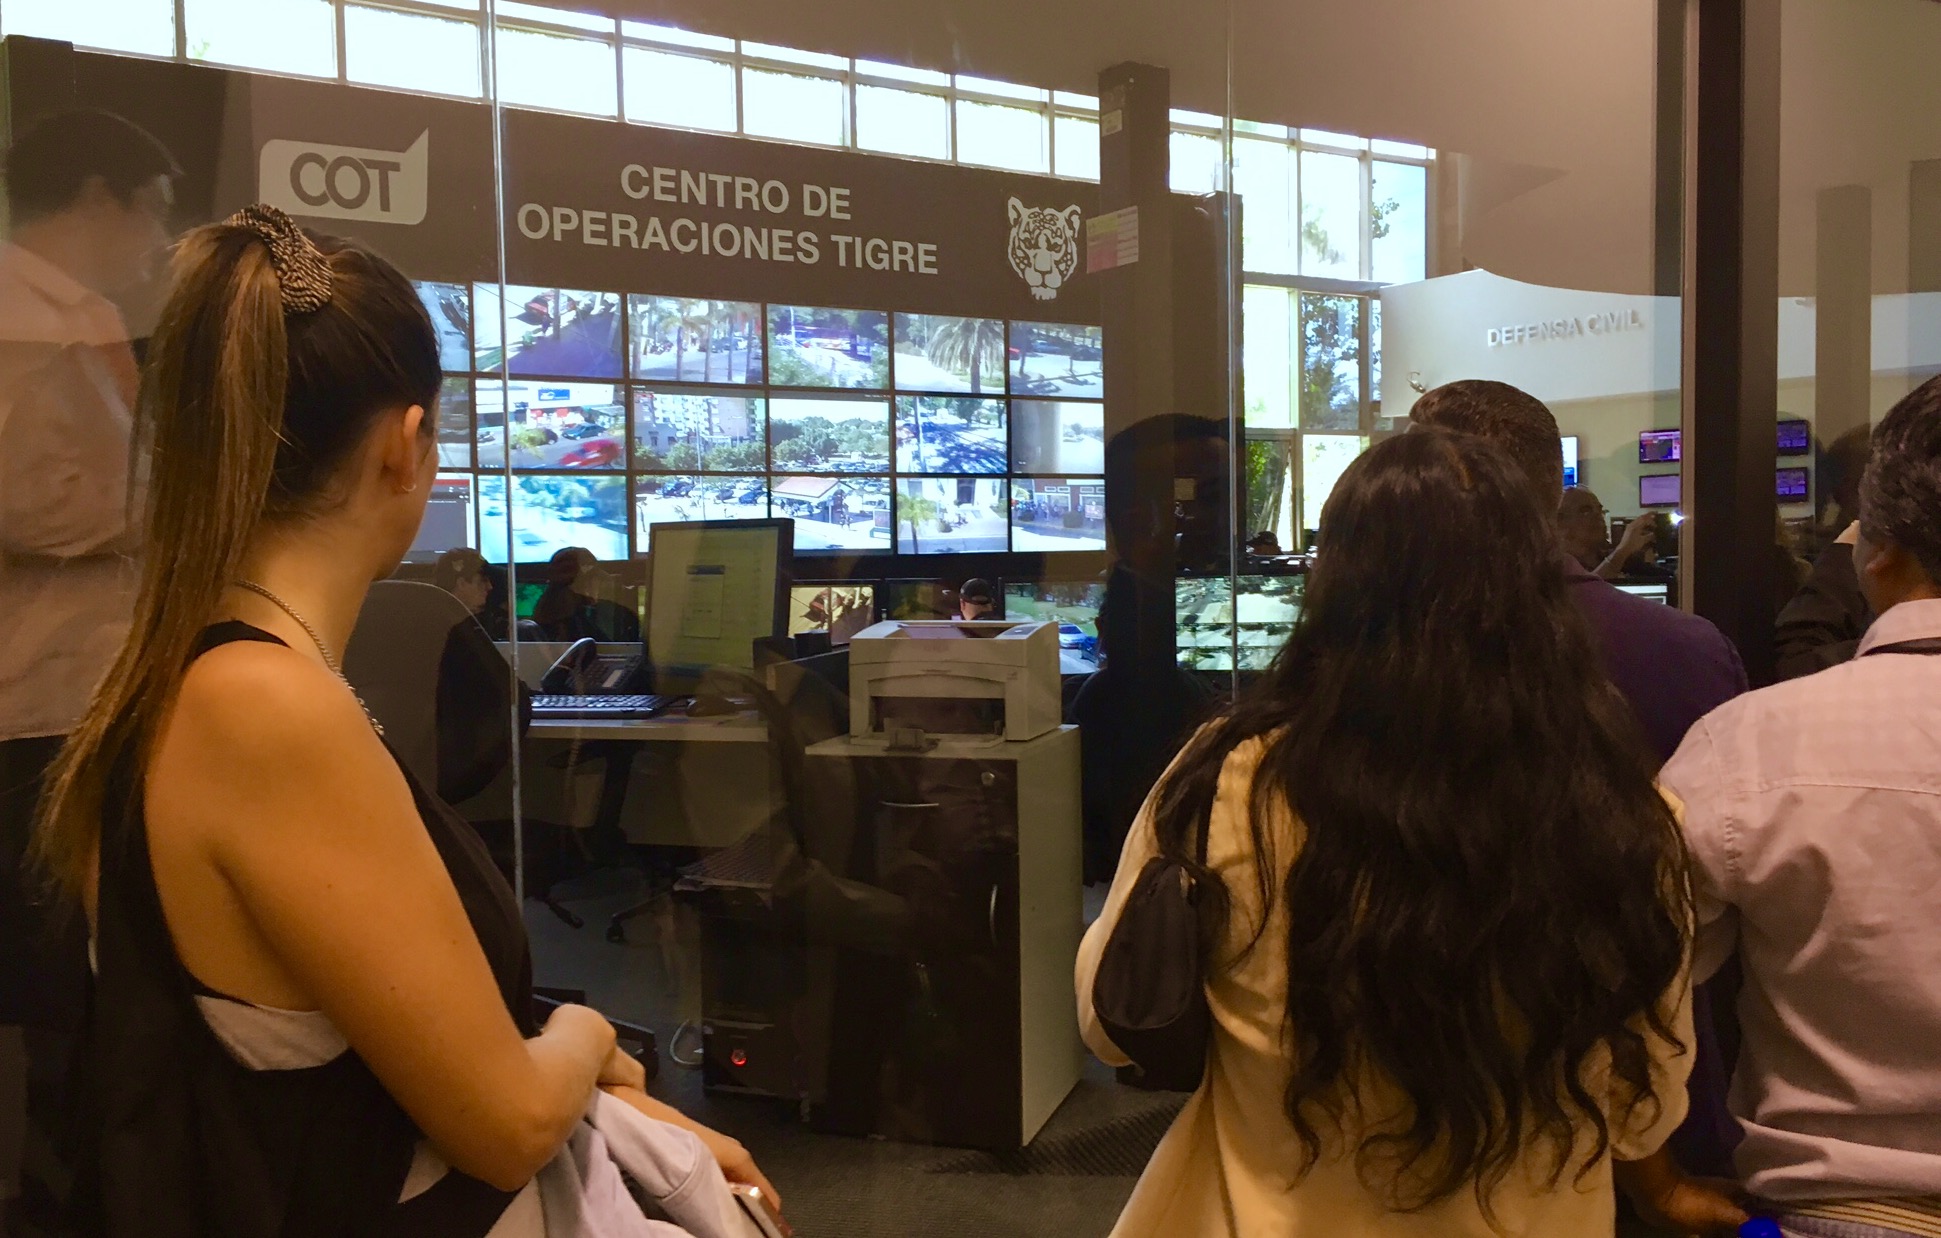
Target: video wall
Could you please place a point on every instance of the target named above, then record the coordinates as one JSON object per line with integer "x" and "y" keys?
{"x": 874, "y": 430}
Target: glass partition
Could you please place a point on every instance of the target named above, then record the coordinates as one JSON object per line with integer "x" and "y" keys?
{"x": 1859, "y": 290}
{"x": 763, "y": 327}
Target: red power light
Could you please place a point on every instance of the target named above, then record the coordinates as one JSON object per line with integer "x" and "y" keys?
{"x": 739, "y": 1057}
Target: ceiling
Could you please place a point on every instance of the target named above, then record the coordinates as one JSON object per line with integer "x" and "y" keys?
{"x": 1550, "y": 104}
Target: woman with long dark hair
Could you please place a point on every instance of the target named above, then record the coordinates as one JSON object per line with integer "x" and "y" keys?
{"x": 1445, "y": 912}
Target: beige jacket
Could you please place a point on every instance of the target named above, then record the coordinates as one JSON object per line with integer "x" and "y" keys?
{"x": 1226, "y": 1165}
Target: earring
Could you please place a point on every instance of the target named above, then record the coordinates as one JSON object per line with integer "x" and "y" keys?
{"x": 410, "y": 489}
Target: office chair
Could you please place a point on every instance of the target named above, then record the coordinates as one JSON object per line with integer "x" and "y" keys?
{"x": 394, "y": 661}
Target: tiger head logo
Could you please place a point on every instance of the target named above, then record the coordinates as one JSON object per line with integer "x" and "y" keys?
{"x": 1044, "y": 246}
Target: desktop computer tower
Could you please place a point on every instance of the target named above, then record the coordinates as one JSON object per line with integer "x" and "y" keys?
{"x": 965, "y": 1036}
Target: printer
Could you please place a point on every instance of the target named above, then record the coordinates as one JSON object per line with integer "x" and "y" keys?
{"x": 962, "y": 678}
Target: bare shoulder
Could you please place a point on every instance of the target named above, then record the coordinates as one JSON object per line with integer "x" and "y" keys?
{"x": 253, "y": 699}
{"x": 263, "y": 738}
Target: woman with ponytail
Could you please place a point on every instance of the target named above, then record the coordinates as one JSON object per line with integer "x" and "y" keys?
{"x": 312, "y": 1012}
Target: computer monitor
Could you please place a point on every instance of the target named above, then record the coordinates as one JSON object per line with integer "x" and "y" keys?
{"x": 840, "y": 608}
{"x": 1659, "y": 490}
{"x": 1793, "y": 485}
{"x": 717, "y": 586}
{"x": 1061, "y": 602}
{"x": 1660, "y": 447}
{"x": 526, "y": 598}
{"x": 914, "y": 599}
{"x": 1650, "y": 593}
{"x": 1571, "y": 472}
{"x": 448, "y": 522}
{"x": 1795, "y": 437}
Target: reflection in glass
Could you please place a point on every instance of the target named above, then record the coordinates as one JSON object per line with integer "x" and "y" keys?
{"x": 836, "y": 513}
{"x": 451, "y": 317}
{"x": 666, "y": 88}
{"x": 936, "y": 352}
{"x": 550, "y": 513}
{"x": 689, "y": 431}
{"x": 455, "y": 424}
{"x": 829, "y": 435}
{"x": 667, "y": 500}
{"x": 1002, "y": 137}
{"x": 1330, "y": 362}
{"x": 902, "y": 122}
{"x": 1324, "y": 458}
{"x": 1398, "y": 218}
{"x": 685, "y": 339}
{"x": 411, "y": 51}
{"x": 944, "y": 434}
{"x": 283, "y": 36}
{"x": 792, "y": 107}
{"x": 1050, "y": 514}
{"x": 812, "y": 347}
{"x": 549, "y": 331}
{"x": 1057, "y": 437}
{"x": 951, "y": 515}
{"x": 556, "y": 72}
{"x": 1330, "y": 215}
{"x": 1052, "y": 359}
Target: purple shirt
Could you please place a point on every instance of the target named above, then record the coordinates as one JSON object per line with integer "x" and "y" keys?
{"x": 1672, "y": 667}
{"x": 1813, "y": 812}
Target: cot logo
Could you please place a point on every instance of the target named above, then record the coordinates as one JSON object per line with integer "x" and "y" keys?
{"x": 346, "y": 182}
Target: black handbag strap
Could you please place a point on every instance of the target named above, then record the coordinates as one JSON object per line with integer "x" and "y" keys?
{"x": 1929, "y": 646}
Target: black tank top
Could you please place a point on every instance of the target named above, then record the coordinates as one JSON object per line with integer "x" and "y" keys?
{"x": 182, "y": 1141}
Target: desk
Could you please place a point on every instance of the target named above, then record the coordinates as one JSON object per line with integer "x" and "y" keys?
{"x": 673, "y": 780}
{"x": 746, "y": 728}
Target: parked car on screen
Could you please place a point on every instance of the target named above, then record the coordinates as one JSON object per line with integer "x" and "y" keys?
{"x": 1071, "y": 636}
{"x": 583, "y": 430}
{"x": 597, "y": 453}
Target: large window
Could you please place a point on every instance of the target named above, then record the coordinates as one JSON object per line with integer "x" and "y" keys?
{"x": 1317, "y": 203}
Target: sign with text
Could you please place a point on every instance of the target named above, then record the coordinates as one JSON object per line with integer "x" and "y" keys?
{"x": 613, "y": 207}
{"x": 594, "y": 204}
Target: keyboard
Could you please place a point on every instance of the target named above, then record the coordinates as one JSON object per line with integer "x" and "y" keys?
{"x": 559, "y": 705}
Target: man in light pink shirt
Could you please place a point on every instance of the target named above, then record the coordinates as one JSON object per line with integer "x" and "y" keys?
{"x": 1813, "y": 812}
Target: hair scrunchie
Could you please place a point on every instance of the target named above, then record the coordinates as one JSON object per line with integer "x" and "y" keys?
{"x": 302, "y": 270}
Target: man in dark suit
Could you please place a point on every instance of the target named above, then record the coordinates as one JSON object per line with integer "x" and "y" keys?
{"x": 1672, "y": 667}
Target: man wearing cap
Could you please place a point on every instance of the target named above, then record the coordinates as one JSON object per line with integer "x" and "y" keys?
{"x": 977, "y": 600}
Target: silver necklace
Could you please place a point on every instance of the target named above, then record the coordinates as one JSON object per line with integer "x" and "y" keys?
{"x": 323, "y": 650}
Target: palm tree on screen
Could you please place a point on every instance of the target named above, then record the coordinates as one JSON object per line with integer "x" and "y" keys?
{"x": 967, "y": 345}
